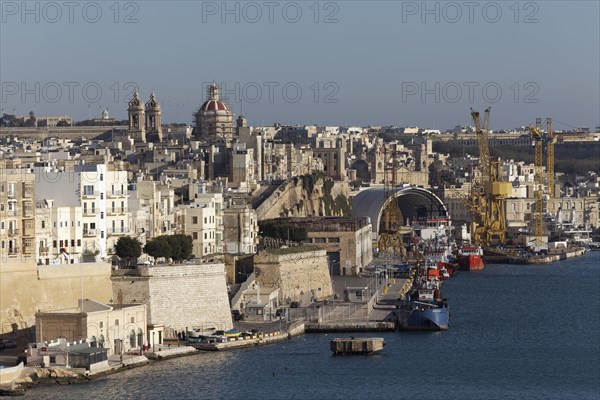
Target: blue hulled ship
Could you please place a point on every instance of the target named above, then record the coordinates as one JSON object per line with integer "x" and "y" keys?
{"x": 424, "y": 316}
{"x": 423, "y": 308}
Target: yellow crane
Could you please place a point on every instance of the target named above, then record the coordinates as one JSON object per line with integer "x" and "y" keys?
{"x": 550, "y": 139}
{"x": 538, "y": 189}
{"x": 487, "y": 200}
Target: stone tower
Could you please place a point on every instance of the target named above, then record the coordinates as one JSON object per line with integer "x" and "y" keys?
{"x": 137, "y": 129}
{"x": 241, "y": 122}
{"x": 153, "y": 123}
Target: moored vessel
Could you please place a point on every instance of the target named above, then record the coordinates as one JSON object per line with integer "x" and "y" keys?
{"x": 470, "y": 258}
{"x": 424, "y": 309}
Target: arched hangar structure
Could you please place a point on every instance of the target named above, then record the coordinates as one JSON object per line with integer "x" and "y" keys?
{"x": 392, "y": 215}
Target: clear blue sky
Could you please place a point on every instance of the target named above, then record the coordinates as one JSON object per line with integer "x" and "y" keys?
{"x": 371, "y": 60}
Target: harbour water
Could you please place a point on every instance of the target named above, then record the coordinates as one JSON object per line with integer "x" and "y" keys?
{"x": 516, "y": 331}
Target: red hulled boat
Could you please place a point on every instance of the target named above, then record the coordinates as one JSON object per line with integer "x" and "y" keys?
{"x": 470, "y": 258}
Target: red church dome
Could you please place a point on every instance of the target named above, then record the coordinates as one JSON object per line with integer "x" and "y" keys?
{"x": 214, "y": 103}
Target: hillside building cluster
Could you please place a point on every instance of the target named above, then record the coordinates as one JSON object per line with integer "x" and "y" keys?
{"x": 66, "y": 200}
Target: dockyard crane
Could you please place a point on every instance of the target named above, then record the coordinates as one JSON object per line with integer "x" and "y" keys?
{"x": 487, "y": 200}
{"x": 550, "y": 139}
{"x": 537, "y": 135}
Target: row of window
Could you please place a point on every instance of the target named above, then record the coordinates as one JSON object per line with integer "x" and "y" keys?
{"x": 207, "y": 235}
{"x": 13, "y": 244}
{"x": 326, "y": 240}
{"x": 207, "y": 220}
{"x": 65, "y": 243}
{"x": 88, "y": 190}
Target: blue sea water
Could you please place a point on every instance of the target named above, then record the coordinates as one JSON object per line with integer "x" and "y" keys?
{"x": 516, "y": 331}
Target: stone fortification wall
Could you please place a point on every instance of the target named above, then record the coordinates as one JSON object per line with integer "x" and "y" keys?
{"x": 299, "y": 275}
{"x": 64, "y": 132}
{"x": 307, "y": 196}
{"x": 179, "y": 296}
{"x": 25, "y": 288}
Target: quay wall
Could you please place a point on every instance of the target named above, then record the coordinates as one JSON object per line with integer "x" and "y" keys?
{"x": 26, "y": 288}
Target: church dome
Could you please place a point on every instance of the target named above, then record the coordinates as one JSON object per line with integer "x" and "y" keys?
{"x": 214, "y": 103}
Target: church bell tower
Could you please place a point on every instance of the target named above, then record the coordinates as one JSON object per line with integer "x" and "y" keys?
{"x": 153, "y": 125}
{"x": 135, "y": 111}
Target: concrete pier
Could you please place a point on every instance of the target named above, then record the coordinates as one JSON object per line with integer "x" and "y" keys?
{"x": 251, "y": 341}
{"x": 165, "y": 353}
{"x": 352, "y": 346}
{"x": 349, "y": 326}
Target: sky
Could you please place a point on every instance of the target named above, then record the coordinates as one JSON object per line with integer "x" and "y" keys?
{"x": 307, "y": 62}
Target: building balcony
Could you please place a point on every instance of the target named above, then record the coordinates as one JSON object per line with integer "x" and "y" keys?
{"x": 29, "y": 232}
{"x": 89, "y": 232}
{"x": 89, "y": 212}
{"x": 27, "y": 190}
{"x": 13, "y": 232}
{"x": 12, "y": 213}
{"x": 28, "y": 211}
{"x": 11, "y": 194}
{"x": 116, "y": 193}
{"x": 90, "y": 195}
{"x": 14, "y": 251}
{"x": 118, "y": 231}
{"x": 44, "y": 250}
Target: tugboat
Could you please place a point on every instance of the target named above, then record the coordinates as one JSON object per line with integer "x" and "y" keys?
{"x": 423, "y": 308}
{"x": 470, "y": 258}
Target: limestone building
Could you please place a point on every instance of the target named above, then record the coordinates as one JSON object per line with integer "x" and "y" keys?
{"x": 347, "y": 241}
{"x": 118, "y": 328}
{"x": 202, "y": 219}
{"x": 331, "y": 151}
{"x": 59, "y": 234}
{"x": 102, "y": 194}
{"x": 17, "y": 211}
{"x": 240, "y": 229}
{"x": 242, "y": 167}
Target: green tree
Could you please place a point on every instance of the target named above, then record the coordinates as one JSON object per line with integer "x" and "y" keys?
{"x": 158, "y": 247}
{"x": 128, "y": 248}
{"x": 177, "y": 247}
{"x": 181, "y": 246}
